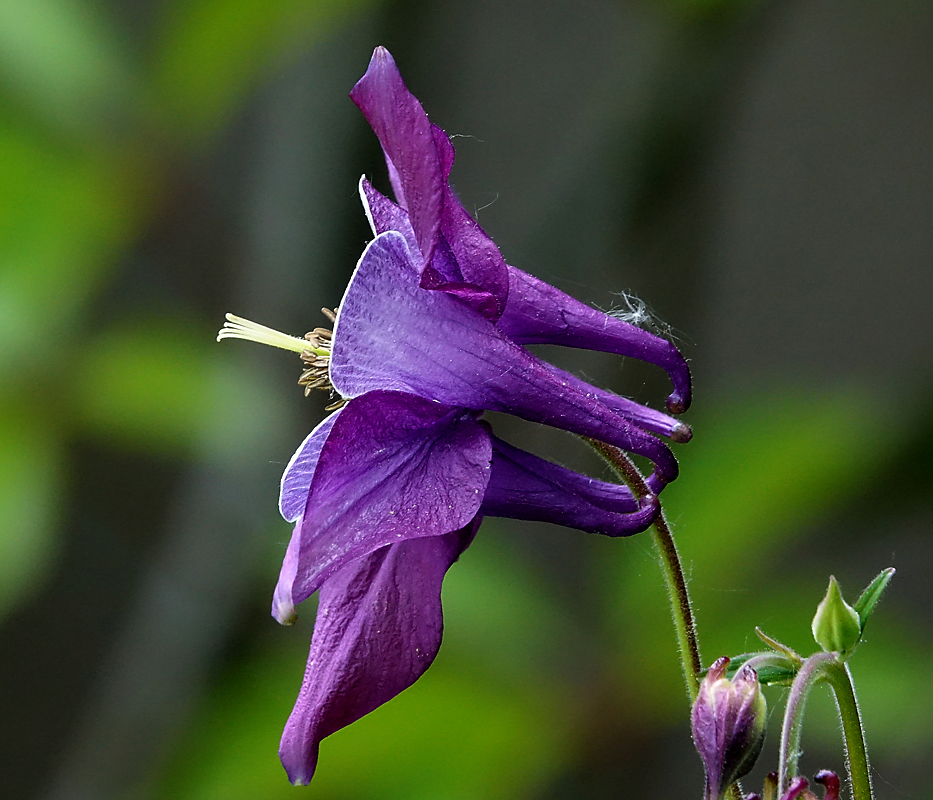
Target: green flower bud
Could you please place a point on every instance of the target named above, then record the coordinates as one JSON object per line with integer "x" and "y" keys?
{"x": 836, "y": 626}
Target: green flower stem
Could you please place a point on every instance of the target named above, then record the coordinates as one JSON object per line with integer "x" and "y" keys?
{"x": 810, "y": 672}
{"x": 681, "y": 610}
{"x": 825, "y": 666}
{"x": 840, "y": 679}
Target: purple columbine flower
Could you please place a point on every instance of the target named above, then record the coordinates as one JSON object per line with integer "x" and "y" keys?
{"x": 388, "y": 491}
{"x": 405, "y": 460}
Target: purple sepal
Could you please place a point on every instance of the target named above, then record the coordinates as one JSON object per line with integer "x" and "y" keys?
{"x": 523, "y": 486}
{"x": 481, "y": 263}
{"x": 443, "y": 273}
{"x": 296, "y": 480}
{"x": 445, "y": 150}
{"x": 478, "y": 299}
{"x": 538, "y": 313}
{"x": 283, "y": 606}
{"x": 394, "y": 467}
{"x": 419, "y": 157}
{"x": 379, "y": 626}
{"x": 403, "y": 130}
{"x": 728, "y": 723}
{"x": 391, "y": 334}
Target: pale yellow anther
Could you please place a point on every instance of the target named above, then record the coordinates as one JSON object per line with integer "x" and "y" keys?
{"x": 239, "y": 328}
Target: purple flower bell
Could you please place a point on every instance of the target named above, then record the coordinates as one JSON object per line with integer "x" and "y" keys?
{"x": 388, "y": 491}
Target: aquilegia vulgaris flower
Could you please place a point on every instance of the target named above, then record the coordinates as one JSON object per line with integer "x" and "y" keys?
{"x": 390, "y": 488}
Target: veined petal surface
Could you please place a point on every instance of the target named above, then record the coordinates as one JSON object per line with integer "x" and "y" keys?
{"x": 296, "y": 480}
{"x": 394, "y": 467}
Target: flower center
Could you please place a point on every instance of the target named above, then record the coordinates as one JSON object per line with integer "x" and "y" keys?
{"x": 314, "y": 349}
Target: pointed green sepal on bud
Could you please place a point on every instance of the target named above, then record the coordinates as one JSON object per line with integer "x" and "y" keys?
{"x": 836, "y": 626}
{"x": 791, "y": 654}
{"x": 872, "y": 594}
{"x": 728, "y": 723}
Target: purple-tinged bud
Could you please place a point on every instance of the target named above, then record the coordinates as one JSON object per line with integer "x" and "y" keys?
{"x": 799, "y": 788}
{"x": 770, "y": 786}
{"x": 728, "y": 725}
{"x": 829, "y": 781}
{"x": 836, "y": 625}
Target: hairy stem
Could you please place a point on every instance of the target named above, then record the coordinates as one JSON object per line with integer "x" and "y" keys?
{"x": 681, "y": 610}
{"x": 810, "y": 672}
{"x": 840, "y": 679}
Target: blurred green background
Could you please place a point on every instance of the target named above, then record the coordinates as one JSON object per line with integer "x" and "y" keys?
{"x": 760, "y": 172}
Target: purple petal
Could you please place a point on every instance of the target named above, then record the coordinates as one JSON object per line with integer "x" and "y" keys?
{"x": 830, "y": 782}
{"x": 391, "y": 334}
{"x": 444, "y": 272}
{"x": 480, "y": 261}
{"x": 394, "y": 467}
{"x": 407, "y": 139}
{"x": 379, "y": 626}
{"x": 538, "y": 313}
{"x": 523, "y": 486}
{"x": 384, "y": 215}
{"x": 445, "y": 150}
{"x": 296, "y": 480}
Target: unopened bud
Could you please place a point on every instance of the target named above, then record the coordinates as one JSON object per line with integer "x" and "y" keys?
{"x": 830, "y": 782}
{"x": 836, "y": 625}
{"x": 728, "y": 725}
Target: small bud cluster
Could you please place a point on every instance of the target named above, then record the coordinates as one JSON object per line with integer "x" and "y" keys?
{"x": 799, "y": 788}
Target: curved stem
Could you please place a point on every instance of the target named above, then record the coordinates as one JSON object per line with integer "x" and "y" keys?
{"x": 840, "y": 679}
{"x": 810, "y": 672}
{"x": 681, "y": 610}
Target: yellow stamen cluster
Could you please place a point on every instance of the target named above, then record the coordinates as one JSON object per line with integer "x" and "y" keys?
{"x": 314, "y": 349}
